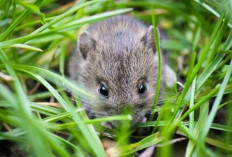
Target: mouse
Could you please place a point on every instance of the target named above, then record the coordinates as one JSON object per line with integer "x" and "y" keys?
{"x": 116, "y": 60}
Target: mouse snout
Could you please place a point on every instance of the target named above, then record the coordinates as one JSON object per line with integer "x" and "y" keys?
{"x": 122, "y": 107}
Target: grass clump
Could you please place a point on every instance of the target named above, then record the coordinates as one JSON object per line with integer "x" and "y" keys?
{"x": 38, "y": 115}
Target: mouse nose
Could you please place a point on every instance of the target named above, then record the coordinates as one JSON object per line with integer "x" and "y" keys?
{"x": 124, "y": 108}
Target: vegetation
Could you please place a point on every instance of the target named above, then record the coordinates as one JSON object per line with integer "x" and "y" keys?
{"x": 39, "y": 115}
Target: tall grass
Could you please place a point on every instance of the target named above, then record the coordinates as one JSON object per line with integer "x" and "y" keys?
{"x": 38, "y": 114}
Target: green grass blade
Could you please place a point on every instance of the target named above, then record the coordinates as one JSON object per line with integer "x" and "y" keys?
{"x": 216, "y": 104}
{"x": 87, "y": 131}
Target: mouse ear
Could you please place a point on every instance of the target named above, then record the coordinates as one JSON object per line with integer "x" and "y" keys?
{"x": 86, "y": 43}
{"x": 148, "y": 38}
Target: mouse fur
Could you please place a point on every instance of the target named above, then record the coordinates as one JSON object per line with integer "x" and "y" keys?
{"x": 120, "y": 54}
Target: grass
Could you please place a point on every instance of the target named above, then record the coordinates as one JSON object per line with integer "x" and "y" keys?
{"x": 39, "y": 116}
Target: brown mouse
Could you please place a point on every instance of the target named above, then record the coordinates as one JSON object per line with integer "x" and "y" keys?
{"x": 116, "y": 60}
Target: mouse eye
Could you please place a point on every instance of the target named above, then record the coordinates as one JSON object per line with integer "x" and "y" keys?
{"x": 103, "y": 90}
{"x": 142, "y": 88}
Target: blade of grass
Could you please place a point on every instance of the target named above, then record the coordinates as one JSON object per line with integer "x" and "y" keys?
{"x": 62, "y": 59}
{"x": 88, "y": 132}
{"x": 157, "y": 44}
{"x": 213, "y": 65}
{"x": 50, "y": 75}
{"x": 28, "y": 47}
{"x": 33, "y": 8}
{"x": 94, "y": 18}
{"x": 211, "y": 10}
{"x": 65, "y": 14}
{"x": 146, "y": 142}
{"x": 73, "y": 25}
{"x": 20, "y": 18}
{"x": 191, "y": 115}
{"x": 193, "y": 74}
{"x": 215, "y": 105}
{"x": 218, "y": 40}
{"x": 28, "y": 123}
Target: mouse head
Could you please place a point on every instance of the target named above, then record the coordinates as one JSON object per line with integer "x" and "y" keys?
{"x": 121, "y": 70}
